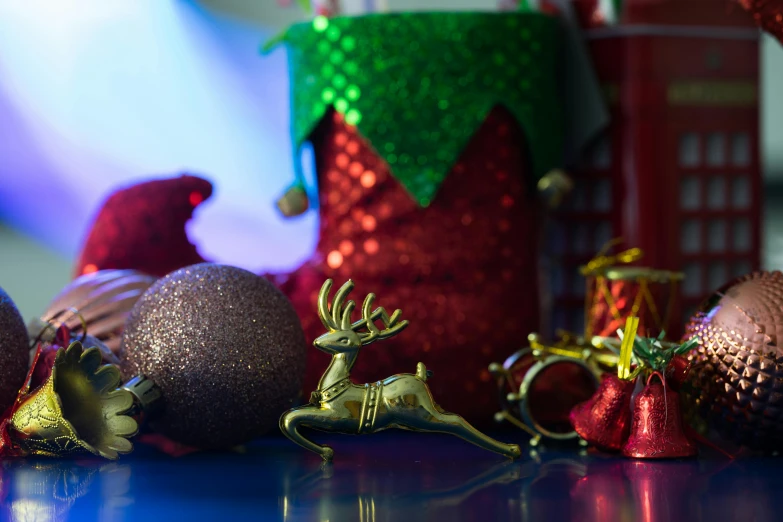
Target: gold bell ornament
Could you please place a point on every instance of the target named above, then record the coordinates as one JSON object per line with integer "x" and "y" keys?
{"x": 78, "y": 409}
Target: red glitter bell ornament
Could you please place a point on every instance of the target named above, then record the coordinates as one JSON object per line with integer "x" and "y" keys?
{"x": 653, "y": 427}
{"x": 604, "y": 420}
{"x": 657, "y": 431}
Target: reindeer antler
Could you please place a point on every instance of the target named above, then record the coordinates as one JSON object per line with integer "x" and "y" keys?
{"x": 339, "y": 317}
{"x": 336, "y": 318}
{"x": 392, "y": 326}
{"x": 323, "y": 306}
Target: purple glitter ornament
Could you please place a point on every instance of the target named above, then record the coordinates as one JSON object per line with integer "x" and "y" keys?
{"x": 14, "y": 351}
{"x": 226, "y": 349}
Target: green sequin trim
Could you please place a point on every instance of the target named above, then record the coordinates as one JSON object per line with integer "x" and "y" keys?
{"x": 419, "y": 85}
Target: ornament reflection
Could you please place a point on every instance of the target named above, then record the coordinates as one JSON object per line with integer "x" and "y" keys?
{"x": 378, "y": 493}
{"x": 548, "y": 485}
{"x": 46, "y": 491}
{"x": 370, "y": 493}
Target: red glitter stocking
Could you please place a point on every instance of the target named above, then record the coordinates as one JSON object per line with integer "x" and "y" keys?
{"x": 463, "y": 270}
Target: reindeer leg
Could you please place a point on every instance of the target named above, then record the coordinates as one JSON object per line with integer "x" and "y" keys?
{"x": 289, "y": 425}
{"x": 456, "y": 425}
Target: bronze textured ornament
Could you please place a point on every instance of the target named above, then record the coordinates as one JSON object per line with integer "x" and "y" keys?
{"x": 736, "y": 384}
{"x": 98, "y": 303}
{"x": 401, "y": 401}
{"x": 79, "y": 409}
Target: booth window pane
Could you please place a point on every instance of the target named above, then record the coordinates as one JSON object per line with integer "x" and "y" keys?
{"x": 716, "y": 235}
{"x": 740, "y": 149}
{"x": 716, "y": 150}
{"x": 740, "y": 192}
{"x": 741, "y": 235}
{"x": 691, "y": 285}
{"x": 690, "y": 241}
{"x": 716, "y": 193}
{"x": 690, "y": 193}
{"x": 689, "y": 150}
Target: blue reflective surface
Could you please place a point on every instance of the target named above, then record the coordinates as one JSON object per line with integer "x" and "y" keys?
{"x": 389, "y": 477}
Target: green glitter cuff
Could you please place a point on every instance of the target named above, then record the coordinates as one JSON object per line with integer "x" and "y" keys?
{"x": 419, "y": 85}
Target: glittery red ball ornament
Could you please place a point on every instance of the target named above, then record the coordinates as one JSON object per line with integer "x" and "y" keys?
{"x": 768, "y": 14}
{"x": 14, "y": 351}
{"x": 224, "y": 346}
{"x": 142, "y": 227}
{"x": 463, "y": 269}
{"x": 736, "y": 381}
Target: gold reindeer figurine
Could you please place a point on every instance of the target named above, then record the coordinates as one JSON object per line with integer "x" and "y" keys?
{"x": 401, "y": 401}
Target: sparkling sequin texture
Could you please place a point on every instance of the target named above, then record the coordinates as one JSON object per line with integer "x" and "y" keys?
{"x": 736, "y": 382}
{"x": 143, "y": 227}
{"x": 419, "y": 85}
{"x": 14, "y": 353}
{"x": 226, "y": 348}
{"x": 768, "y": 14}
{"x": 463, "y": 270}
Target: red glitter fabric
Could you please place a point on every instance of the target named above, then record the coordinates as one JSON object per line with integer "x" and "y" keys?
{"x": 768, "y": 14}
{"x": 463, "y": 270}
{"x": 143, "y": 227}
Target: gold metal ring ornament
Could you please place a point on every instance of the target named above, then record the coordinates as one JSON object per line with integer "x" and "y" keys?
{"x": 540, "y": 384}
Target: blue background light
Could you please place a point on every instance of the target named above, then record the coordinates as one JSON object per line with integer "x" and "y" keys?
{"x": 100, "y": 94}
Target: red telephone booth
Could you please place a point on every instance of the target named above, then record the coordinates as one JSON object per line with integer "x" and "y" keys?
{"x": 677, "y": 174}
